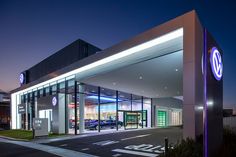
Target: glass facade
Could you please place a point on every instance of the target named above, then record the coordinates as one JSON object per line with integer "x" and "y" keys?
{"x": 104, "y": 109}
{"x": 91, "y": 108}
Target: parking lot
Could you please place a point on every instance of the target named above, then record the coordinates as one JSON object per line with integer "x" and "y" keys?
{"x": 145, "y": 142}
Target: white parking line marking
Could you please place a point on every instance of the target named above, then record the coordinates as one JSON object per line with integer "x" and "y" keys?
{"x": 139, "y": 136}
{"x": 85, "y": 149}
{"x": 147, "y": 148}
{"x": 135, "y": 152}
{"x": 63, "y": 145}
{"x": 104, "y": 143}
{"x": 116, "y": 155}
{"x": 101, "y": 142}
{"x": 111, "y": 142}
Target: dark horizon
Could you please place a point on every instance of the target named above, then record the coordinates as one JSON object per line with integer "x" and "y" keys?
{"x": 37, "y": 29}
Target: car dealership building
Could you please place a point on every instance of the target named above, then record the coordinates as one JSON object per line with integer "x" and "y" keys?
{"x": 170, "y": 75}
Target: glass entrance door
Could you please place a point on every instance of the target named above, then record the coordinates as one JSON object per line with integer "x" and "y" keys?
{"x": 131, "y": 119}
{"x": 144, "y": 119}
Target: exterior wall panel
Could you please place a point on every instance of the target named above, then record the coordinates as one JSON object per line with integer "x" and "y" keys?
{"x": 77, "y": 50}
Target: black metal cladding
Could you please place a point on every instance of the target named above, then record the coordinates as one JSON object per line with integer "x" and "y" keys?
{"x": 77, "y": 50}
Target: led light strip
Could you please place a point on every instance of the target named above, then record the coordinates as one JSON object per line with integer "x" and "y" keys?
{"x": 102, "y": 98}
{"x": 159, "y": 40}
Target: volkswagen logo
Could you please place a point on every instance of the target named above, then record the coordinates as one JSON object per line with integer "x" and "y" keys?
{"x": 216, "y": 63}
{"x": 54, "y": 101}
{"x": 22, "y": 77}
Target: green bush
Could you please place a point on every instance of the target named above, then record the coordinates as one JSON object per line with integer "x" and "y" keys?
{"x": 186, "y": 148}
{"x": 228, "y": 148}
{"x": 192, "y": 148}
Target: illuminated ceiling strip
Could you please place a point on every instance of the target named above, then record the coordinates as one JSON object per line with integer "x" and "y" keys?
{"x": 102, "y": 98}
{"x": 159, "y": 40}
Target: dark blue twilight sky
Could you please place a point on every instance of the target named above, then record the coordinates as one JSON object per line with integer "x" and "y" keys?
{"x": 31, "y": 30}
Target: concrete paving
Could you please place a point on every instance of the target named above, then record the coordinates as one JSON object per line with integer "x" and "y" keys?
{"x": 34, "y": 149}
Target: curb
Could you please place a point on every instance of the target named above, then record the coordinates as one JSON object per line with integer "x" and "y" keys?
{"x": 14, "y": 139}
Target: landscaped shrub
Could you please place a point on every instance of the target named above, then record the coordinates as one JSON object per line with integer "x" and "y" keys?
{"x": 228, "y": 148}
{"x": 192, "y": 148}
{"x": 186, "y": 148}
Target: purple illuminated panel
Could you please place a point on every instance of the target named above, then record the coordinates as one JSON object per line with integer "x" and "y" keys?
{"x": 205, "y": 136}
{"x": 213, "y": 96}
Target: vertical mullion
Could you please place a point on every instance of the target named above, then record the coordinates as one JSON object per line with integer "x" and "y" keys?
{"x": 117, "y": 110}
{"x": 142, "y": 111}
{"x": 152, "y": 118}
{"x": 99, "y": 94}
{"x": 75, "y": 102}
{"x": 131, "y": 100}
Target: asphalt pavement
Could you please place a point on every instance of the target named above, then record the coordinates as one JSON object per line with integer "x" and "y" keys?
{"x": 147, "y": 142}
{"x": 143, "y": 142}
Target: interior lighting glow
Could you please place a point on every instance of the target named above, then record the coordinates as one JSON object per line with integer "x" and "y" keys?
{"x": 102, "y": 98}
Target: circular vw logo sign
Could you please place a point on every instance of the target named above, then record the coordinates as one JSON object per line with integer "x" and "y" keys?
{"x": 216, "y": 63}
{"x": 22, "y": 77}
{"x": 54, "y": 101}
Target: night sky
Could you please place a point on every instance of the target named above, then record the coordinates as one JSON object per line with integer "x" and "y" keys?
{"x": 32, "y": 30}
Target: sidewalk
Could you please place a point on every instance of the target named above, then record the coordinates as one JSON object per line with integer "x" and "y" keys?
{"x": 45, "y": 140}
{"x": 68, "y": 137}
{"x": 49, "y": 149}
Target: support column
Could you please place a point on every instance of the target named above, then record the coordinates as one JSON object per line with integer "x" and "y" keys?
{"x": 31, "y": 116}
{"x": 75, "y": 102}
{"x": 170, "y": 117}
{"x": 66, "y": 108}
{"x": 36, "y": 106}
{"x": 81, "y": 107}
{"x": 26, "y": 117}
